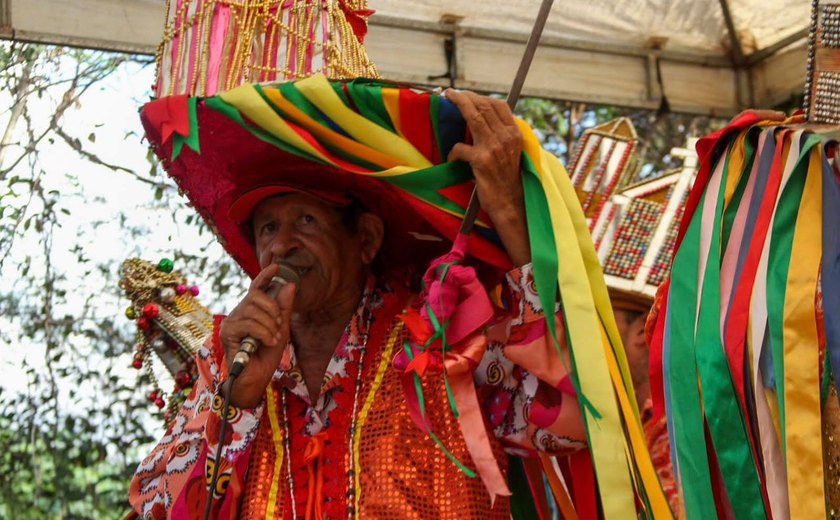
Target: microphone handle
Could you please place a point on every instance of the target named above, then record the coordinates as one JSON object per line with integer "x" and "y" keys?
{"x": 249, "y": 345}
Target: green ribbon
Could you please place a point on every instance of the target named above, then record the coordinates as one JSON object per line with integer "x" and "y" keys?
{"x": 190, "y": 140}
{"x": 686, "y": 410}
{"x": 545, "y": 263}
{"x": 727, "y": 424}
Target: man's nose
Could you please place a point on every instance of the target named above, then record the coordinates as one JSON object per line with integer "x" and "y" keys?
{"x": 285, "y": 243}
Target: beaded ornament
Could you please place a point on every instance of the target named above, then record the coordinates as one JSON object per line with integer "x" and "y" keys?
{"x": 211, "y": 46}
{"x": 171, "y": 322}
{"x": 822, "y": 84}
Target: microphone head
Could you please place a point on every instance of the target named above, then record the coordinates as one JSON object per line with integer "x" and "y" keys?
{"x": 288, "y": 273}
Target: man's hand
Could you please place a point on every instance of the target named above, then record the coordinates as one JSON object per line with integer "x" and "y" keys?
{"x": 494, "y": 157}
{"x": 266, "y": 320}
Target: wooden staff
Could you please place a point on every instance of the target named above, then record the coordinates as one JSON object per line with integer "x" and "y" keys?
{"x": 512, "y": 98}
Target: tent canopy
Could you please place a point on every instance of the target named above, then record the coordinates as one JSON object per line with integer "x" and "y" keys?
{"x": 713, "y": 56}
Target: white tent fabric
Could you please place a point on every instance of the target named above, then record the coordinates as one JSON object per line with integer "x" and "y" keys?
{"x": 692, "y": 26}
{"x": 595, "y": 51}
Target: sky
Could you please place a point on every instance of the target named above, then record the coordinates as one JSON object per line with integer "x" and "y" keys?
{"x": 102, "y": 206}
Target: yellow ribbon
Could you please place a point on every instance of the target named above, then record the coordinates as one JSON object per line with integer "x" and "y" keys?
{"x": 607, "y": 443}
{"x": 317, "y": 90}
{"x": 801, "y": 354}
{"x": 248, "y": 101}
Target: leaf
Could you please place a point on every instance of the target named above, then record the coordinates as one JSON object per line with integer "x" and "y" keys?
{"x": 92, "y": 137}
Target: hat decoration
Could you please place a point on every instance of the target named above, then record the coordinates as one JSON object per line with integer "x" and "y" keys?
{"x": 171, "y": 323}
{"x": 604, "y": 159}
{"x": 822, "y": 81}
{"x": 386, "y": 146}
{"x": 210, "y": 46}
{"x": 746, "y": 343}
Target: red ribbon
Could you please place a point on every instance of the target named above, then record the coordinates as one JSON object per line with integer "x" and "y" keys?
{"x": 169, "y": 115}
{"x": 357, "y": 18}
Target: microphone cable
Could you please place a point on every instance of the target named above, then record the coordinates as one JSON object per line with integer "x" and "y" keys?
{"x": 247, "y": 347}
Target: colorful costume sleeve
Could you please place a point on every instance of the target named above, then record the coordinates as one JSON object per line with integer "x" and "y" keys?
{"x": 172, "y": 482}
{"x": 523, "y": 381}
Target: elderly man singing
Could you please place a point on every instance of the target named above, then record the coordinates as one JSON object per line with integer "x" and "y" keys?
{"x": 348, "y": 406}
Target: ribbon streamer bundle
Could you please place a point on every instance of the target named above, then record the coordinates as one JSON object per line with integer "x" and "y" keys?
{"x": 742, "y": 358}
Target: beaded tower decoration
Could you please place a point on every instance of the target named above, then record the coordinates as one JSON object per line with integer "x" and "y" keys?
{"x": 635, "y": 231}
{"x": 171, "y": 322}
{"x": 633, "y": 224}
{"x": 822, "y": 84}
{"x": 211, "y": 46}
{"x": 604, "y": 159}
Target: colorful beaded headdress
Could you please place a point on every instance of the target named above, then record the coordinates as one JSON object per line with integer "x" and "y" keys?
{"x": 822, "y": 84}
{"x": 633, "y": 224}
{"x": 210, "y": 46}
{"x": 386, "y": 147}
{"x": 171, "y": 322}
{"x": 605, "y": 158}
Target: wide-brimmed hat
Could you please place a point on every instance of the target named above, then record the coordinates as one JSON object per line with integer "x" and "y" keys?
{"x": 379, "y": 144}
{"x": 230, "y": 138}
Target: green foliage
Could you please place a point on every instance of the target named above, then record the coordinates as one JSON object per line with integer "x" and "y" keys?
{"x": 560, "y": 124}
{"x": 74, "y": 421}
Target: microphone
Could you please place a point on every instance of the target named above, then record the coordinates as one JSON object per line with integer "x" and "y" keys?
{"x": 249, "y": 345}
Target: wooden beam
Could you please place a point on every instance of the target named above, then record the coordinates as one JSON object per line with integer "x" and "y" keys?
{"x": 563, "y": 69}
{"x": 118, "y": 25}
{"x": 780, "y": 76}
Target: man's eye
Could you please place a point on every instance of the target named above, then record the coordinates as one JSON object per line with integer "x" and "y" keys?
{"x": 268, "y": 228}
{"x": 306, "y": 220}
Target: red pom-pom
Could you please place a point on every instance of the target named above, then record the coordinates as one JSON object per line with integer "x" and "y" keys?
{"x": 137, "y": 363}
{"x": 182, "y": 378}
{"x": 180, "y": 289}
{"x": 143, "y": 323}
{"x": 151, "y": 311}
{"x": 159, "y": 402}
{"x": 153, "y": 395}
{"x": 194, "y": 290}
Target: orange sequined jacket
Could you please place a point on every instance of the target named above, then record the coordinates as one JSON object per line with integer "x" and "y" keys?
{"x": 356, "y": 452}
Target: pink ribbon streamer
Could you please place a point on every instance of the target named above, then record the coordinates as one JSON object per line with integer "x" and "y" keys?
{"x": 456, "y": 298}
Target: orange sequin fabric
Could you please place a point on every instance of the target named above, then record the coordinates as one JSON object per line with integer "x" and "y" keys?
{"x": 405, "y": 475}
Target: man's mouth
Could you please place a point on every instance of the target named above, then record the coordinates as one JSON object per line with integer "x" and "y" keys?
{"x": 299, "y": 269}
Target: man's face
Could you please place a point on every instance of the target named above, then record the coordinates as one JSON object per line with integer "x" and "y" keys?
{"x": 308, "y": 235}
{"x": 631, "y": 328}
